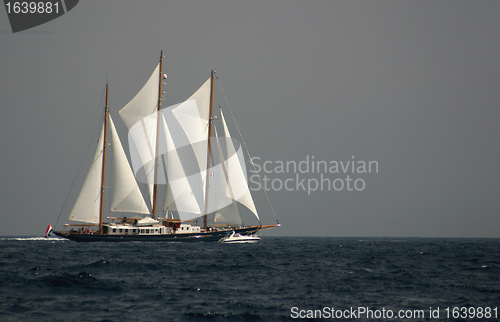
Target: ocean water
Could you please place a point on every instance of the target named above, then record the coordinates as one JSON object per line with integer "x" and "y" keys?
{"x": 277, "y": 279}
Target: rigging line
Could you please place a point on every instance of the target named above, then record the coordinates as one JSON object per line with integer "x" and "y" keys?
{"x": 246, "y": 149}
{"x": 80, "y": 169}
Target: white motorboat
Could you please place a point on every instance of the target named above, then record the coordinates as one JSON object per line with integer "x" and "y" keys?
{"x": 235, "y": 238}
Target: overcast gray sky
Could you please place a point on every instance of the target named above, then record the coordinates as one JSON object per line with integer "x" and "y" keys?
{"x": 412, "y": 85}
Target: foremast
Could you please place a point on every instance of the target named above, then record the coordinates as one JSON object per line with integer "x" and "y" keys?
{"x": 103, "y": 176}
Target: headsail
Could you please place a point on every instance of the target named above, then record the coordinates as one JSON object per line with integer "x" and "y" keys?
{"x": 227, "y": 209}
{"x": 236, "y": 173}
{"x": 86, "y": 208}
{"x": 126, "y": 194}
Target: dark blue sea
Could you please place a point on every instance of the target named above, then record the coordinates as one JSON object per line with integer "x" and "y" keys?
{"x": 277, "y": 279}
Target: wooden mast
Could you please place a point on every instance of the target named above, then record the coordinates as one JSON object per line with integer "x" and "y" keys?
{"x": 158, "y": 116}
{"x": 106, "y": 112}
{"x": 205, "y": 217}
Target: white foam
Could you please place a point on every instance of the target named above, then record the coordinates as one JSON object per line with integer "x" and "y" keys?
{"x": 34, "y": 238}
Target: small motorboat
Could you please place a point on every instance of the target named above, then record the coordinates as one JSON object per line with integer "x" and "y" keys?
{"x": 235, "y": 238}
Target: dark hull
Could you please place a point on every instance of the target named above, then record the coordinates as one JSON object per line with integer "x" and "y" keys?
{"x": 197, "y": 237}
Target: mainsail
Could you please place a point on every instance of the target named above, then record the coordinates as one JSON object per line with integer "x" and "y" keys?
{"x": 187, "y": 134}
{"x": 186, "y": 185}
{"x": 144, "y": 102}
{"x": 127, "y": 196}
{"x": 182, "y": 194}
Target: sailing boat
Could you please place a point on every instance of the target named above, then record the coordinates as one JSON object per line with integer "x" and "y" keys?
{"x": 177, "y": 148}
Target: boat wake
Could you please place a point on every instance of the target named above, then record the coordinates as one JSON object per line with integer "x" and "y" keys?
{"x": 34, "y": 238}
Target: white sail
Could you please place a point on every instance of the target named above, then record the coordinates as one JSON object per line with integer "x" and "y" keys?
{"x": 187, "y": 146}
{"x": 142, "y": 144}
{"x": 236, "y": 173}
{"x": 193, "y": 116}
{"x": 225, "y": 204}
{"x": 144, "y": 103}
{"x": 228, "y": 215}
{"x": 147, "y": 221}
{"x": 87, "y": 204}
{"x": 184, "y": 144}
{"x": 140, "y": 118}
{"x": 180, "y": 196}
{"x": 126, "y": 194}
